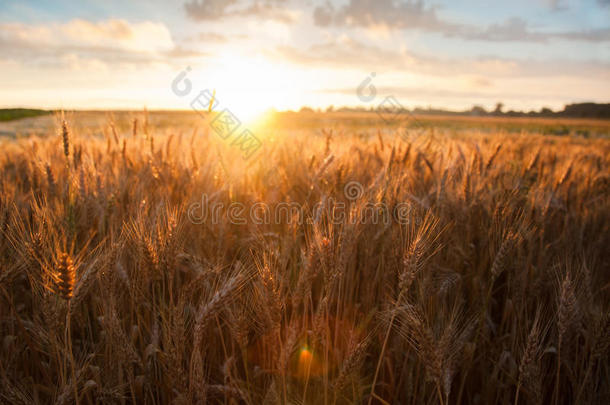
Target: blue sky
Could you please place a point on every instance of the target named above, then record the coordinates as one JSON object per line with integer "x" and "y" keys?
{"x": 285, "y": 53}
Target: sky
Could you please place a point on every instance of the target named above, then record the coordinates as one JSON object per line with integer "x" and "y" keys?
{"x": 284, "y": 54}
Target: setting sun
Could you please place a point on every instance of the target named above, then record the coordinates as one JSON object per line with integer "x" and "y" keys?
{"x": 250, "y": 85}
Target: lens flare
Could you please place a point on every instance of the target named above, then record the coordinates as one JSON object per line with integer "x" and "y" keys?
{"x": 305, "y": 362}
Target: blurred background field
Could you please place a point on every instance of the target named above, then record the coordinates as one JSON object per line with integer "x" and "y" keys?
{"x": 350, "y": 123}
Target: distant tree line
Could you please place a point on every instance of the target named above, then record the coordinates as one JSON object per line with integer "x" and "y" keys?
{"x": 578, "y": 110}
{"x": 8, "y": 114}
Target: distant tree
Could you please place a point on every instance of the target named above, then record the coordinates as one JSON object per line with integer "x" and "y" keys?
{"x": 330, "y": 108}
{"x": 546, "y": 111}
{"x": 498, "y": 109}
{"x": 306, "y": 109}
{"x": 590, "y": 110}
{"x": 478, "y": 110}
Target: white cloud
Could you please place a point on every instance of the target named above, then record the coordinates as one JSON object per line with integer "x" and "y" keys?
{"x": 109, "y": 34}
{"x": 207, "y": 10}
{"x": 345, "y": 52}
{"x": 416, "y": 15}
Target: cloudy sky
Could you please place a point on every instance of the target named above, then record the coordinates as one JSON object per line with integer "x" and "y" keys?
{"x": 285, "y": 54}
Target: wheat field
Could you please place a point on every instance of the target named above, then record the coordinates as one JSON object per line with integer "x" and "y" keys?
{"x": 454, "y": 266}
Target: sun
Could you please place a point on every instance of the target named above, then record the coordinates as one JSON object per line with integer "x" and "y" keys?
{"x": 250, "y": 85}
